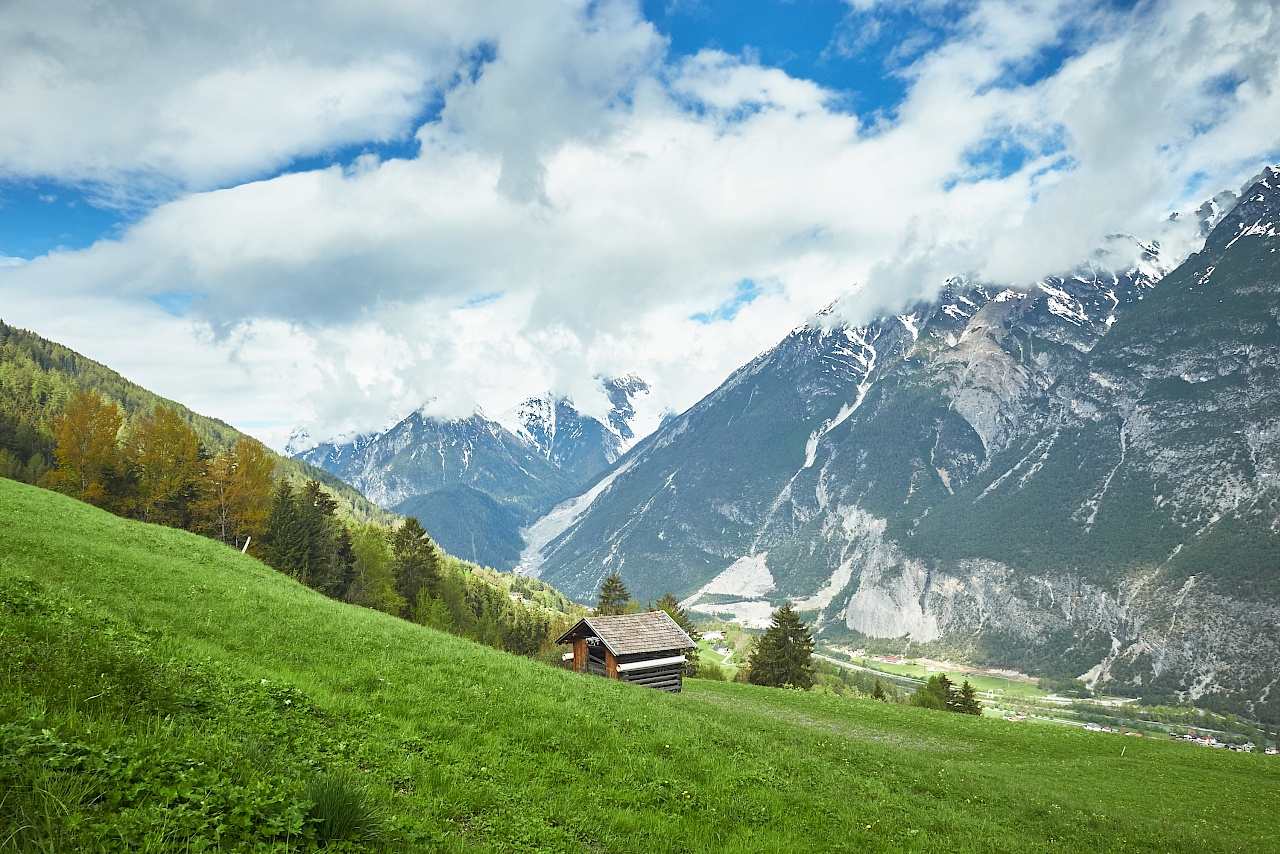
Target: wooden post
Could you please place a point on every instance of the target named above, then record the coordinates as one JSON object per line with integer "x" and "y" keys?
{"x": 580, "y": 655}
{"x": 610, "y": 665}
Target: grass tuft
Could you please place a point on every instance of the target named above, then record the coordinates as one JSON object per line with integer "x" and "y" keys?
{"x": 343, "y": 809}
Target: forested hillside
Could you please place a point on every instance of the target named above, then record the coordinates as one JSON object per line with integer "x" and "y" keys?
{"x": 76, "y": 427}
{"x": 39, "y": 377}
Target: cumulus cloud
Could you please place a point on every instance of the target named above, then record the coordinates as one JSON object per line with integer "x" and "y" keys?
{"x": 581, "y": 203}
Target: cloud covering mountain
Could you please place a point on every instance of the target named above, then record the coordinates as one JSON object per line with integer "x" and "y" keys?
{"x": 328, "y": 220}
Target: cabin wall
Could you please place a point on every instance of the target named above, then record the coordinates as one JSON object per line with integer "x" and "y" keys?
{"x": 595, "y": 660}
{"x": 667, "y": 678}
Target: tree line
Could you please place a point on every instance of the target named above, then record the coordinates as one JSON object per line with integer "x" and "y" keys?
{"x": 156, "y": 469}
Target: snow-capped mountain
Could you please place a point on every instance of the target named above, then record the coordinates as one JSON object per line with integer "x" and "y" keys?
{"x": 473, "y": 481}
{"x": 575, "y": 442}
{"x": 1082, "y": 479}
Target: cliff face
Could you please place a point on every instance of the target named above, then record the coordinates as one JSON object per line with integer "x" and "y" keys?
{"x": 1078, "y": 480}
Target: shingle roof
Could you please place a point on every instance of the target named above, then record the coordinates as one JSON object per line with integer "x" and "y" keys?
{"x": 627, "y": 634}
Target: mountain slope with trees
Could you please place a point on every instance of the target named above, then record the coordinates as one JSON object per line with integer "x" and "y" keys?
{"x": 39, "y": 377}
{"x": 480, "y": 480}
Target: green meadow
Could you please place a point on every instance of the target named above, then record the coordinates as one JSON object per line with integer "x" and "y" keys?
{"x": 997, "y": 684}
{"x": 162, "y": 692}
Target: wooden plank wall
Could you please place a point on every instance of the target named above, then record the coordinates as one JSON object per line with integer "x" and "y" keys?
{"x": 667, "y": 678}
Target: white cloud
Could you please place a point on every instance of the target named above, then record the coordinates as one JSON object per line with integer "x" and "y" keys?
{"x": 581, "y": 198}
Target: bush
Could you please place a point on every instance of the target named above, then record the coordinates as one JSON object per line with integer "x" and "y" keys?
{"x": 711, "y": 670}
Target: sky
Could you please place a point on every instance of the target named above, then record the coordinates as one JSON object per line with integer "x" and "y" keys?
{"x": 331, "y": 215}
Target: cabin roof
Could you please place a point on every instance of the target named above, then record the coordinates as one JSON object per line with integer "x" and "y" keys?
{"x": 628, "y": 634}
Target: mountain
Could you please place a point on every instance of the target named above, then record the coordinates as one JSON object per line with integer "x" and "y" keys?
{"x": 1077, "y": 480}
{"x": 475, "y": 481}
{"x": 38, "y": 376}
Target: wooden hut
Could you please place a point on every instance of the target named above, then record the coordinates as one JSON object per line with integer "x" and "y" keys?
{"x": 644, "y": 649}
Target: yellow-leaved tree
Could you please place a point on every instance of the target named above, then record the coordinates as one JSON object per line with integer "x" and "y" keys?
{"x": 164, "y": 456}
{"x": 87, "y": 455}
{"x": 236, "y": 498}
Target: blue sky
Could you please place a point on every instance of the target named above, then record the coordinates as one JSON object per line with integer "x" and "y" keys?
{"x": 332, "y": 220}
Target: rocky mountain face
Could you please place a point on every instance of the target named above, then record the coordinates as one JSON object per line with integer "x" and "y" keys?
{"x": 473, "y": 482}
{"x": 1076, "y": 480}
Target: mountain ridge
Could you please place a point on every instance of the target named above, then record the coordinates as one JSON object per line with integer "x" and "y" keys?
{"x": 502, "y": 471}
{"x": 1057, "y": 467}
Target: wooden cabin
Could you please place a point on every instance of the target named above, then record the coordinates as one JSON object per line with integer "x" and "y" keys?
{"x": 644, "y": 649}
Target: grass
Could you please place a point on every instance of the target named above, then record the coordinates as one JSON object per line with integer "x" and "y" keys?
{"x": 1000, "y": 685}
{"x": 159, "y": 691}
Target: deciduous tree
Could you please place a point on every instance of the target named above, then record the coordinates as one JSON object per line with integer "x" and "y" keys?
{"x": 86, "y": 453}
{"x": 167, "y": 465}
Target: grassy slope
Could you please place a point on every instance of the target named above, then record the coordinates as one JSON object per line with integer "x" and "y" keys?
{"x": 472, "y": 749}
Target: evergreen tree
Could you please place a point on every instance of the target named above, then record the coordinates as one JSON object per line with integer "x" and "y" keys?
{"x": 614, "y": 597}
{"x": 966, "y": 700}
{"x": 877, "y": 693}
{"x": 306, "y": 541}
{"x": 286, "y": 549}
{"x": 671, "y": 605}
{"x": 937, "y": 692}
{"x": 329, "y": 555}
{"x": 784, "y": 654}
{"x": 416, "y": 563}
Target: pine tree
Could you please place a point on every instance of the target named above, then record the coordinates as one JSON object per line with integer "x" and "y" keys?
{"x": 784, "y": 654}
{"x": 937, "y": 692}
{"x": 415, "y": 562}
{"x": 877, "y": 693}
{"x": 286, "y": 549}
{"x": 614, "y": 597}
{"x": 966, "y": 701}
{"x": 669, "y": 603}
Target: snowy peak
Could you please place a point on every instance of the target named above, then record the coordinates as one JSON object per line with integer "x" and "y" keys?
{"x": 1257, "y": 214}
{"x": 557, "y": 429}
{"x": 299, "y": 442}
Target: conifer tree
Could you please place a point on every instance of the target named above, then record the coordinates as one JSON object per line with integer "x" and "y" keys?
{"x": 286, "y": 543}
{"x": 669, "y": 603}
{"x": 877, "y": 693}
{"x": 614, "y": 597}
{"x": 784, "y": 654}
{"x": 416, "y": 563}
{"x": 966, "y": 701}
